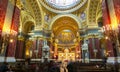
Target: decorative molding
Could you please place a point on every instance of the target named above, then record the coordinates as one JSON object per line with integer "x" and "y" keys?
{"x": 93, "y": 12}
{"x": 20, "y": 59}
{"x": 21, "y": 38}
{"x": 65, "y": 15}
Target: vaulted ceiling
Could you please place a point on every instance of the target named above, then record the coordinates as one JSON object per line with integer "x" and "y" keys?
{"x": 65, "y": 23}
{"x": 36, "y": 9}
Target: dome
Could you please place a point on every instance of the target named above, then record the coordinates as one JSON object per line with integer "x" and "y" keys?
{"x": 62, "y": 4}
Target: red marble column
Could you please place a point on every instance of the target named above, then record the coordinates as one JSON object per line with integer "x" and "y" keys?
{"x": 117, "y": 9}
{"x": 117, "y": 13}
{"x": 97, "y": 46}
{"x": 94, "y": 43}
{"x": 19, "y": 48}
{"x": 90, "y": 46}
{"x": 40, "y": 48}
{"x": 11, "y": 46}
{"x": 33, "y": 49}
{"x": 3, "y": 8}
{"x": 106, "y": 16}
{"x": 13, "y": 33}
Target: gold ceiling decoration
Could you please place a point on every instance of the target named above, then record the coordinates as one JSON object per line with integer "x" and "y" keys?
{"x": 65, "y": 29}
{"x": 65, "y": 23}
{"x": 94, "y": 12}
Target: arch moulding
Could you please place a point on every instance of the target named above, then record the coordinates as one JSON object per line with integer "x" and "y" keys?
{"x": 65, "y": 15}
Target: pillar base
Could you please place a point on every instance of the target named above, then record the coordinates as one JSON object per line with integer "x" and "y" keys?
{"x": 20, "y": 60}
{"x": 10, "y": 59}
{"x": 113, "y": 60}
{"x": 2, "y": 59}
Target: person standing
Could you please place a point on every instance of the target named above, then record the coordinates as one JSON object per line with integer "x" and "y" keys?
{"x": 63, "y": 67}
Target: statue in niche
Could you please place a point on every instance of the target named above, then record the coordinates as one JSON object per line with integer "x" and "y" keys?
{"x": 85, "y": 45}
{"x": 85, "y": 51}
{"x": 45, "y": 43}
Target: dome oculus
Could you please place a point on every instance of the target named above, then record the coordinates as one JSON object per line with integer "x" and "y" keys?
{"x": 62, "y": 4}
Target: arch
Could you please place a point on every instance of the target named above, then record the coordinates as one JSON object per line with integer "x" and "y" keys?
{"x": 27, "y": 26}
{"x": 25, "y": 17}
{"x": 74, "y": 8}
{"x": 78, "y": 21}
{"x": 37, "y": 11}
{"x": 26, "y": 20}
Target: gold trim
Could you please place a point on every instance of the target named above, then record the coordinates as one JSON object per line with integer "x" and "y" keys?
{"x": 74, "y": 17}
{"x": 21, "y": 38}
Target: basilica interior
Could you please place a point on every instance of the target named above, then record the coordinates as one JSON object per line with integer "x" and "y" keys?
{"x": 60, "y": 30}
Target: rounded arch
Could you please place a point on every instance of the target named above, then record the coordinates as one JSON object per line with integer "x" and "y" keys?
{"x": 28, "y": 26}
{"x": 25, "y": 17}
{"x": 65, "y": 22}
{"x": 26, "y": 21}
{"x": 37, "y": 11}
{"x": 78, "y": 21}
{"x": 74, "y": 8}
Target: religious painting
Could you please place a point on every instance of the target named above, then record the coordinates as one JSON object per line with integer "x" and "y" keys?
{"x": 83, "y": 16}
{"x": 46, "y": 17}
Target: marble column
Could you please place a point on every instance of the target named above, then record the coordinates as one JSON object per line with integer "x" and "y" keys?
{"x": 105, "y": 14}
{"x": 3, "y": 9}
{"x": 40, "y": 45}
{"x": 20, "y": 48}
{"x": 90, "y": 46}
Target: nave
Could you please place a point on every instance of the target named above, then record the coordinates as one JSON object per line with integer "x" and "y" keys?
{"x": 34, "y": 33}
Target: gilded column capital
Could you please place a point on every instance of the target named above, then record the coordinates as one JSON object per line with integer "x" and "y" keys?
{"x": 21, "y": 38}
{"x": 92, "y": 36}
